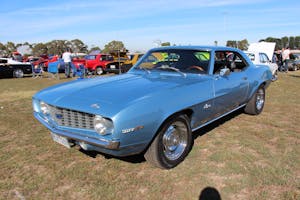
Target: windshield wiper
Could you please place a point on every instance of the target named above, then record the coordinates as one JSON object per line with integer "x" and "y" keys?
{"x": 167, "y": 67}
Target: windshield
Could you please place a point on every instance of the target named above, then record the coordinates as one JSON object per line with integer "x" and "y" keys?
{"x": 186, "y": 61}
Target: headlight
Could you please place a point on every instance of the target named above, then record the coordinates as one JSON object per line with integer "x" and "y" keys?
{"x": 44, "y": 108}
{"x": 103, "y": 126}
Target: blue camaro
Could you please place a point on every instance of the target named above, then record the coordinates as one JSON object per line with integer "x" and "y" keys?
{"x": 156, "y": 106}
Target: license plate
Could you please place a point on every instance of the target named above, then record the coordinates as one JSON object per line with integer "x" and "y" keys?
{"x": 113, "y": 67}
{"x": 61, "y": 140}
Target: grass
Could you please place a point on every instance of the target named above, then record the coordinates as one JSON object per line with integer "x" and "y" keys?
{"x": 240, "y": 156}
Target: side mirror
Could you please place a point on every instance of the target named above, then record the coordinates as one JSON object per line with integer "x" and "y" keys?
{"x": 224, "y": 72}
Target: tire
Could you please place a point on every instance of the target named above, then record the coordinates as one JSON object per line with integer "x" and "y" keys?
{"x": 295, "y": 68}
{"x": 257, "y": 102}
{"x": 18, "y": 73}
{"x": 275, "y": 76}
{"x": 99, "y": 71}
{"x": 172, "y": 143}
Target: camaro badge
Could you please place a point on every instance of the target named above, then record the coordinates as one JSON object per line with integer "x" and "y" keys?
{"x": 59, "y": 116}
{"x": 95, "y": 106}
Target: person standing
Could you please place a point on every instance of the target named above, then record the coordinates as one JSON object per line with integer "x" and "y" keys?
{"x": 285, "y": 57}
{"x": 67, "y": 57}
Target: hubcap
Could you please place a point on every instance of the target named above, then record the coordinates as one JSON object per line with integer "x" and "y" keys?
{"x": 175, "y": 140}
{"x": 99, "y": 71}
{"x": 260, "y": 99}
{"x": 19, "y": 73}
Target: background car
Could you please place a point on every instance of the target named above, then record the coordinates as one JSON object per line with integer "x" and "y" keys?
{"x": 12, "y": 68}
{"x": 156, "y": 106}
{"x": 294, "y": 61}
{"x": 260, "y": 58}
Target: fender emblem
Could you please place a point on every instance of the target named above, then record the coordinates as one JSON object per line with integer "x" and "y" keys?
{"x": 206, "y": 106}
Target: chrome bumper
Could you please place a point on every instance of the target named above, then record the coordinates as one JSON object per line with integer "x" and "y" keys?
{"x": 98, "y": 142}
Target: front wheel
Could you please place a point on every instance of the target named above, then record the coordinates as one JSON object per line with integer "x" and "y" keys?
{"x": 18, "y": 73}
{"x": 99, "y": 71}
{"x": 172, "y": 143}
{"x": 257, "y": 102}
{"x": 275, "y": 76}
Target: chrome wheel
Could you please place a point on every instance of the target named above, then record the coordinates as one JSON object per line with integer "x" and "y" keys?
{"x": 175, "y": 140}
{"x": 99, "y": 71}
{"x": 18, "y": 73}
{"x": 260, "y": 99}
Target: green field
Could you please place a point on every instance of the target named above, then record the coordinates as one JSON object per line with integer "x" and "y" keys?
{"x": 240, "y": 156}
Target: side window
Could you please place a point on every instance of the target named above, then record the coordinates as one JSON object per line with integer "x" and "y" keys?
{"x": 3, "y": 61}
{"x": 263, "y": 58}
{"x": 229, "y": 59}
{"x": 251, "y": 56}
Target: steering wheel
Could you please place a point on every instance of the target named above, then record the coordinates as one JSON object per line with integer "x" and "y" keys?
{"x": 196, "y": 67}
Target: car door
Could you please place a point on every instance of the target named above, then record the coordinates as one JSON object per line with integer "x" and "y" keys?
{"x": 230, "y": 90}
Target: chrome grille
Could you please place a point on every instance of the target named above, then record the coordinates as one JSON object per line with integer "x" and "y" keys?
{"x": 72, "y": 118}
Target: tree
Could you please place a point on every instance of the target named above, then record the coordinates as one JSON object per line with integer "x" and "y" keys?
{"x": 165, "y": 44}
{"x": 57, "y": 47}
{"x": 78, "y": 46}
{"x": 243, "y": 44}
{"x": 292, "y": 42}
{"x": 94, "y": 49}
{"x": 297, "y": 42}
{"x": 39, "y": 49}
{"x": 2, "y": 50}
{"x": 231, "y": 43}
{"x": 113, "y": 46}
{"x": 284, "y": 41}
{"x": 10, "y": 47}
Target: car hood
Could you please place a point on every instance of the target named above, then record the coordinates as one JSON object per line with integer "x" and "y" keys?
{"x": 264, "y": 47}
{"x": 109, "y": 95}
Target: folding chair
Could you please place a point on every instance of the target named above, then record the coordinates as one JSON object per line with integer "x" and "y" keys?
{"x": 81, "y": 72}
{"x": 53, "y": 70}
{"x": 37, "y": 71}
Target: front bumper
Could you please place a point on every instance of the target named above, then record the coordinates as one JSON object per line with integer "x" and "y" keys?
{"x": 96, "y": 142}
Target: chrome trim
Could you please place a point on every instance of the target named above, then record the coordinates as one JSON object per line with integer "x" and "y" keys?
{"x": 202, "y": 125}
{"x": 98, "y": 142}
{"x": 71, "y": 118}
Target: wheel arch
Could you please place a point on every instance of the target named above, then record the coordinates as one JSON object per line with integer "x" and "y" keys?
{"x": 188, "y": 112}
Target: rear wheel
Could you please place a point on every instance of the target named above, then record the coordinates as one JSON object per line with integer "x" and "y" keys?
{"x": 295, "y": 68}
{"x": 172, "y": 143}
{"x": 256, "y": 103}
{"x": 18, "y": 73}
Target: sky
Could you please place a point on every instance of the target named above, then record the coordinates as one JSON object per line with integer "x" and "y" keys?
{"x": 141, "y": 24}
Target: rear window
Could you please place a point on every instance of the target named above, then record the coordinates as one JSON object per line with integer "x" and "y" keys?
{"x": 90, "y": 57}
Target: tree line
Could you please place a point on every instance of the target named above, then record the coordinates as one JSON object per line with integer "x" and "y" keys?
{"x": 293, "y": 42}
{"x": 57, "y": 47}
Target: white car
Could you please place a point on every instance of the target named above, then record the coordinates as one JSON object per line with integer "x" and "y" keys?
{"x": 260, "y": 58}
{"x": 12, "y": 68}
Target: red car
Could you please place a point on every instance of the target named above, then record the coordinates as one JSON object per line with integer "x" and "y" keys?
{"x": 37, "y": 61}
{"x": 78, "y": 61}
{"x": 97, "y": 63}
{"x": 51, "y": 59}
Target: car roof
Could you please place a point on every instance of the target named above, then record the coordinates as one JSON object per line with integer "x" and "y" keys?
{"x": 203, "y": 48}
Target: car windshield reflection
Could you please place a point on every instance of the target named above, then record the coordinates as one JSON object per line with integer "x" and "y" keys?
{"x": 183, "y": 61}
